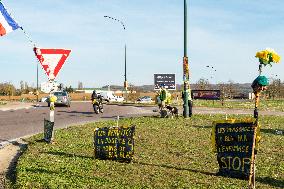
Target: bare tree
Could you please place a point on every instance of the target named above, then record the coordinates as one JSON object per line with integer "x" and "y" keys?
{"x": 281, "y": 90}
{"x": 134, "y": 92}
{"x": 274, "y": 88}
{"x": 203, "y": 84}
{"x": 222, "y": 88}
{"x": 231, "y": 89}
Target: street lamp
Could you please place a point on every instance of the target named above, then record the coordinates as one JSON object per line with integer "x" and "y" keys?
{"x": 125, "y": 79}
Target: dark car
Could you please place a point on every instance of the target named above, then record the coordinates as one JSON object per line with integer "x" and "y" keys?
{"x": 63, "y": 98}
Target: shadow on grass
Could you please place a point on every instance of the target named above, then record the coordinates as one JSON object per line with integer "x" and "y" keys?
{"x": 11, "y": 174}
{"x": 115, "y": 117}
{"x": 272, "y": 131}
{"x": 40, "y": 170}
{"x": 68, "y": 155}
{"x": 271, "y": 181}
{"x": 202, "y": 127}
{"x": 176, "y": 168}
{"x": 70, "y": 174}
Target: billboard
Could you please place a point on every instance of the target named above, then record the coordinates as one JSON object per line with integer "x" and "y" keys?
{"x": 167, "y": 80}
{"x": 206, "y": 94}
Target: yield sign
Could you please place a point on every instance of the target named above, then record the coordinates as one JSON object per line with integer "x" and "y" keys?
{"x": 51, "y": 60}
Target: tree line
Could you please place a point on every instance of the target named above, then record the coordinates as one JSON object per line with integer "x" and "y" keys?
{"x": 228, "y": 89}
{"x": 8, "y": 89}
{"x": 236, "y": 90}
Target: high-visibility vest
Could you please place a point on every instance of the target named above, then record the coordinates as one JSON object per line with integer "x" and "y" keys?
{"x": 163, "y": 95}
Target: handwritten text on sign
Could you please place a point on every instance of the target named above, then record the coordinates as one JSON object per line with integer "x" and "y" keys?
{"x": 116, "y": 143}
{"x": 234, "y": 145}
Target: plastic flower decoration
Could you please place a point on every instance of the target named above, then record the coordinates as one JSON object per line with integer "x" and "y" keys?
{"x": 267, "y": 56}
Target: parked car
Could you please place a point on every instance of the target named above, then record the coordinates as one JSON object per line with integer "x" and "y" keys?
{"x": 43, "y": 99}
{"x": 145, "y": 99}
{"x": 63, "y": 98}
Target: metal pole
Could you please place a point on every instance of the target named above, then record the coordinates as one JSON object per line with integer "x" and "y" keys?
{"x": 125, "y": 78}
{"x": 185, "y": 29}
{"x": 52, "y": 100}
{"x": 185, "y": 68}
{"x": 37, "y": 93}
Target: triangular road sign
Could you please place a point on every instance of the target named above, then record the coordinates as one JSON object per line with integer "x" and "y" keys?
{"x": 51, "y": 60}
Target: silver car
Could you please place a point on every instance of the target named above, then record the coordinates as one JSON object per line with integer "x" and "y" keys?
{"x": 63, "y": 98}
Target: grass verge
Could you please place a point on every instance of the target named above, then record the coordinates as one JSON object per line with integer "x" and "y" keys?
{"x": 169, "y": 153}
{"x": 269, "y": 105}
{"x": 2, "y": 103}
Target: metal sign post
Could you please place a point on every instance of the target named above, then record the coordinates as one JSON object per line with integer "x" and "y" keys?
{"x": 52, "y": 61}
{"x": 52, "y": 100}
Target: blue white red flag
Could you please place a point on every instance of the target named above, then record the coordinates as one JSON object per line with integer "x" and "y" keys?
{"x": 7, "y": 23}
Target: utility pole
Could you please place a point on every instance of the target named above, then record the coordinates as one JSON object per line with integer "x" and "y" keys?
{"x": 187, "y": 103}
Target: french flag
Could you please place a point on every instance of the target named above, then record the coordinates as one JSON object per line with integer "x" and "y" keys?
{"x": 7, "y": 23}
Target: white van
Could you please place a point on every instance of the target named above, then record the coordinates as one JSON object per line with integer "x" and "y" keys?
{"x": 109, "y": 96}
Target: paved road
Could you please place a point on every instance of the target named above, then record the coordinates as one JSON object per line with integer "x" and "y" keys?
{"x": 18, "y": 123}
{"x": 24, "y": 122}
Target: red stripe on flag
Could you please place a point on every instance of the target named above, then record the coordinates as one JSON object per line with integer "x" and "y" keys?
{"x": 2, "y": 30}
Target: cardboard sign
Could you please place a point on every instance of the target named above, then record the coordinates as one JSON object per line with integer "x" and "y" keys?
{"x": 48, "y": 129}
{"x": 234, "y": 144}
{"x": 114, "y": 143}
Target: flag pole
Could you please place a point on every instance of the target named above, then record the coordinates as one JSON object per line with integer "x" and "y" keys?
{"x": 28, "y": 37}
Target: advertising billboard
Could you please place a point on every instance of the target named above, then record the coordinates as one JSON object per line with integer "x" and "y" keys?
{"x": 206, "y": 94}
{"x": 166, "y": 80}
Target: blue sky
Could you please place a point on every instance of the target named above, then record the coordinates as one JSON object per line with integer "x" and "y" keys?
{"x": 224, "y": 34}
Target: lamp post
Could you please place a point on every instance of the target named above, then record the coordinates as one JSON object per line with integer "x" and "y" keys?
{"x": 187, "y": 101}
{"x": 125, "y": 84}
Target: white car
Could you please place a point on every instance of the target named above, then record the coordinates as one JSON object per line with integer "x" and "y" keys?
{"x": 145, "y": 99}
{"x": 119, "y": 99}
{"x": 110, "y": 97}
{"x": 43, "y": 99}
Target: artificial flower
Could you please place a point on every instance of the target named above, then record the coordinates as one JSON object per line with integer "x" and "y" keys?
{"x": 267, "y": 56}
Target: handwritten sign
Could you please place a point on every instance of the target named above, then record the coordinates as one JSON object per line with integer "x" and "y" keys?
{"x": 48, "y": 129}
{"x": 115, "y": 143}
{"x": 234, "y": 144}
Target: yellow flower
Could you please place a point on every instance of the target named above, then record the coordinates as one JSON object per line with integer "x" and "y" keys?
{"x": 276, "y": 58}
{"x": 53, "y": 98}
{"x": 267, "y": 56}
{"x": 259, "y": 54}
